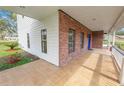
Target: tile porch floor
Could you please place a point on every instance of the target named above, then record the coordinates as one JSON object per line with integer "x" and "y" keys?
{"x": 94, "y": 68}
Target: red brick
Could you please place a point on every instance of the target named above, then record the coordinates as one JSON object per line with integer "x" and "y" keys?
{"x": 66, "y": 22}
{"x": 97, "y": 39}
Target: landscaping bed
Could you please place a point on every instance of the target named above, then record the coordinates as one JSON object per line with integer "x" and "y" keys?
{"x": 16, "y": 59}
{"x": 5, "y": 49}
{"x": 11, "y": 55}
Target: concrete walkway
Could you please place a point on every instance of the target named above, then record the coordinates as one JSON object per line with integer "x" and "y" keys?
{"x": 94, "y": 68}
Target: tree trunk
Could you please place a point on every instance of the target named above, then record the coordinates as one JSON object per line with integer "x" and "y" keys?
{"x": 11, "y": 48}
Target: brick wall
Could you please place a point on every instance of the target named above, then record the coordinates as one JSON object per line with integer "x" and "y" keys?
{"x": 97, "y": 39}
{"x": 66, "y": 22}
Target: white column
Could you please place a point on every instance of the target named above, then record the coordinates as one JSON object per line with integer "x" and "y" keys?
{"x": 113, "y": 38}
{"x": 122, "y": 74}
{"x": 109, "y": 40}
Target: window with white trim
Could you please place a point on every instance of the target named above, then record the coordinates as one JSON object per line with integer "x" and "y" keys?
{"x": 71, "y": 40}
{"x": 44, "y": 40}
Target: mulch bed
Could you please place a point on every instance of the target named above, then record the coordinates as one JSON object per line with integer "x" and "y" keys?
{"x": 11, "y": 50}
{"x": 26, "y": 54}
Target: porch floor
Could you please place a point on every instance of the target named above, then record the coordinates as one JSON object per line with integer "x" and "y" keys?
{"x": 96, "y": 67}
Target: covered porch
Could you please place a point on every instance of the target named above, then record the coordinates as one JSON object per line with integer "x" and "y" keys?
{"x": 95, "y": 67}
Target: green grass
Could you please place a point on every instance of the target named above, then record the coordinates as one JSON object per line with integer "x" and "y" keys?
{"x": 120, "y": 44}
{"x": 24, "y": 60}
{"x": 3, "y": 53}
{"x": 4, "y": 59}
{"x": 3, "y": 49}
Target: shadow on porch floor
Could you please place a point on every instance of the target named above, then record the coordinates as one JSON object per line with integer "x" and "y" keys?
{"x": 94, "y": 68}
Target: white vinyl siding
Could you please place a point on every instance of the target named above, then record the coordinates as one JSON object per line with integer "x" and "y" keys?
{"x": 34, "y": 27}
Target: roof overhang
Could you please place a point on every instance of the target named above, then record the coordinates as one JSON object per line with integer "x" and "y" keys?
{"x": 96, "y": 18}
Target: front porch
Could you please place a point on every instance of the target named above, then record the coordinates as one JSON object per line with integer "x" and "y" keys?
{"x": 95, "y": 67}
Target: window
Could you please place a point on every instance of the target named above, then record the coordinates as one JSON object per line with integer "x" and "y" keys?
{"x": 82, "y": 39}
{"x": 28, "y": 40}
{"x": 71, "y": 40}
{"x": 44, "y": 40}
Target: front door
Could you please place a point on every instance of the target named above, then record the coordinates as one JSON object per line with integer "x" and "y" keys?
{"x": 89, "y": 41}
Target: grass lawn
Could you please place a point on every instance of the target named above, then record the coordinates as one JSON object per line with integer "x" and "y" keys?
{"x": 120, "y": 44}
{"x": 4, "y": 50}
{"x": 2, "y": 47}
{"x": 11, "y": 58}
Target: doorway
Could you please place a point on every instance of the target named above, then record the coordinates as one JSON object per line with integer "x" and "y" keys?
{"x": 89, "y": 41}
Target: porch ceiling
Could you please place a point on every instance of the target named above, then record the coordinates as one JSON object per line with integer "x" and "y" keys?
{"x": 94, "y": 17}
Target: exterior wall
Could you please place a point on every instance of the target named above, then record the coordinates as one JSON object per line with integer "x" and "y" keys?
{"x": 66, "y": 22}
{"x": 97, "y": 39}
{"x": 33, "y": 27}
{"x": 57, "y": 25}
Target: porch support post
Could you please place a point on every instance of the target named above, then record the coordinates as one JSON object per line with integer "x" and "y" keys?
{"x": 122, "y": 74}
{"x": 109, "y": 41}
{"x": 113, "y": 38}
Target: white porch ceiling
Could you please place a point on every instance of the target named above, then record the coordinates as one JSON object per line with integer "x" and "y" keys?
{"x": 95, "y": 18}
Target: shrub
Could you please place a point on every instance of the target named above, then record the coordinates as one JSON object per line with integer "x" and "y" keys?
{"x": 14, "y": 58}
{"x": 21, "y": 62}
{"x": 12, "y": 45}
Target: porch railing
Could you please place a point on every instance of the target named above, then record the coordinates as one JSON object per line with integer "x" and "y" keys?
{"x": 119, "y": 57}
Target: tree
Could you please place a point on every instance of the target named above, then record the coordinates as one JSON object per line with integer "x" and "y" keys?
{"x": 13, "y": 16}
{"x": 8, "y": 24}
{"x": 12, "y": 45}
{"x": 3, "y": 29}
{"x": 12, "y": 24}
{"x": 120, "y": 32}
